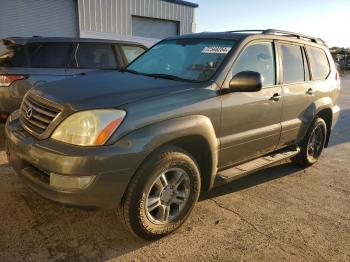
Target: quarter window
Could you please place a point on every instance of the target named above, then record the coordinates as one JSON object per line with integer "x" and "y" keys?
{"x": 319, "y": 63}
{"x": 258, "y": 57}
{"x": 99, "y": 56}
{"x": 292, "y": 63}
{"x": 131, "y": 52}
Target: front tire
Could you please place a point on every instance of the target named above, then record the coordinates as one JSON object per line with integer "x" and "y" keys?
{"x": 162, "y": 194}
{"x": 312, "y": 145}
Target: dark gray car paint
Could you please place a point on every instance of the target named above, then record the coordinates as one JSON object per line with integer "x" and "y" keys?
{"x": 160, "y": 111}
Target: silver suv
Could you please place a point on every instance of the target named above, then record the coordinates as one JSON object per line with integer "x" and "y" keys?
{"x": 26, "y": 62}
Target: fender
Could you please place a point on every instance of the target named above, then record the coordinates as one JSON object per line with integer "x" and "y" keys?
{"x": 323, "y": 103}
{"x": 312, "y": 111}
{"x": 146, "y": 140}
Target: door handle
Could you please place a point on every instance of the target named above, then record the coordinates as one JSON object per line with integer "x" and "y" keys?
{"x": 275, "y": 97}
{"x": 310, "y": 91}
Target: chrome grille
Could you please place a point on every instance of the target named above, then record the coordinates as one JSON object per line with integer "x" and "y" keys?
{"x": 37, "y": 115}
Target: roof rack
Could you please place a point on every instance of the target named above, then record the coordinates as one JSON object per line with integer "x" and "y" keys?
{"x": 283, "y": 33}
{"x": 246, "y": 31}
{"x": 292, "y": 34}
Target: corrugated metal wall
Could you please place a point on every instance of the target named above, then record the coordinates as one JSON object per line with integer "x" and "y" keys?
{"x": 115, "y": 16}
{"x": 38, "y": 17}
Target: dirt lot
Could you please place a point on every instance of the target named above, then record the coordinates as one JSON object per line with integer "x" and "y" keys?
{"x": 282, "y": 213}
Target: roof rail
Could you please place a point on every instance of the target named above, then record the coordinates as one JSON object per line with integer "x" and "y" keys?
{"x": 292, "y": 34}
{"x": 246, "y": 31}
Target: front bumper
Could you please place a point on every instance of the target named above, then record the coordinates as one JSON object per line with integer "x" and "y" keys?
{"x": 34, "y": 160}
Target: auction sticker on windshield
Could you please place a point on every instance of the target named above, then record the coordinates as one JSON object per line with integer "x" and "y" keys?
{"x": 216, "y": 50}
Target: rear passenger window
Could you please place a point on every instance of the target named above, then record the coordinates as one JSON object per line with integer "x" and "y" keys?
{"x": 318, "y": 62}
{"x": 292, "y": 63}
{"x": 96, "y": 56}
{"x": 259, "y": 58}
{"x": 14, "y": 56}
{"x": 37, "y": 55}
{"x": 49, "y": 55}
{"x": 131, "y": 52}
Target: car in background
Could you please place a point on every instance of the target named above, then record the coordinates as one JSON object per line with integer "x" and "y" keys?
{"x": 27, "y": 62}
{"x": 347, "y": 65}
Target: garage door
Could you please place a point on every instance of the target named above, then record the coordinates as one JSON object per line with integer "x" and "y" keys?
{"x": 154, "y": 28}
{"x": 38, "y": 17}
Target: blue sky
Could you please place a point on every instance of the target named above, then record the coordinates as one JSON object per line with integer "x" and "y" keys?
{"x": 328, "y": 19}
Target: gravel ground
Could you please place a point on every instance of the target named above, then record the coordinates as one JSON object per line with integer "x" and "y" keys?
{"x": 281, "y": 213}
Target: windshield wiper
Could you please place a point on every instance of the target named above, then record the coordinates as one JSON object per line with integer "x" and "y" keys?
{"x": 131, "y": 71}
{"x": 156, "y": 75}
{"x": 171, "y": 77}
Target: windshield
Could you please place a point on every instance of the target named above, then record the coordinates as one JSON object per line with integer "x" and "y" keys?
{"x": 183, "y": 59}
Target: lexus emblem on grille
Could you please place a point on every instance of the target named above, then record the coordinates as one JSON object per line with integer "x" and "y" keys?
{"x": 29, "y": 112}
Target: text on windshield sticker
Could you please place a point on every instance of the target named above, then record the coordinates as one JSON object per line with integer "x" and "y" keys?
{"x": 216, "y": 50}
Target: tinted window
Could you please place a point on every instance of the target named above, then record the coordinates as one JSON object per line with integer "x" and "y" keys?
{"x": 131, "y": 52}
{"x": 258, "y": 57}
{"x": 37, "y": 55}
{"x": 319, "y": 63}
{"x": 292, "y": 63}
{"x": 188, "y": 59}
{"x": 99, "y": 56}
{"x": 14, "y": 56}
{"x": 49, "y": 55}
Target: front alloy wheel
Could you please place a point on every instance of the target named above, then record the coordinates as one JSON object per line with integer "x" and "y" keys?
{"x": 162, "y": 194}
{"x": 168, "y": 195}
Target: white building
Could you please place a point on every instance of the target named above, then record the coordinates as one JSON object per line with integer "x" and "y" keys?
{"x": 138, "y": 20}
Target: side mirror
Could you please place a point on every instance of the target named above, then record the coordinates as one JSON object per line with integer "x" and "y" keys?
{"x": 246, "y": 81}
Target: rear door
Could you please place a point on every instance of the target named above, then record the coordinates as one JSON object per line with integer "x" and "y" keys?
{"x": 251, "y": 120}
{"x": 298, "y": 92}
{"x": 320, "y": 71}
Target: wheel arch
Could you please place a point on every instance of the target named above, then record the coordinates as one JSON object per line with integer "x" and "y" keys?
{"x": 321, "y": 108}
{"x": 327, "y": 115}
{"x": 194, "y": 134}
{"x": 199, "y": 148}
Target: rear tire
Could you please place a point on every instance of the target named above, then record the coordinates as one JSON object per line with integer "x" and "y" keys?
{"x": 312, "y": 145}
{"x": 162, "y": 194}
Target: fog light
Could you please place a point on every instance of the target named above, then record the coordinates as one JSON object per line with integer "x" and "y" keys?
{"x": 70, "y": 182}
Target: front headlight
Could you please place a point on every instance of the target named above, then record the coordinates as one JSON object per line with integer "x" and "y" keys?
{"x": 89, "y": 128}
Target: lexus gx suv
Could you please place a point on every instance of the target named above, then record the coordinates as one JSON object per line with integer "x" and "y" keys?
{"x": 191, "y": 113}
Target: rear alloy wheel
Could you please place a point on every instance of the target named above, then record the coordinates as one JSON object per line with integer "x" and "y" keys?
{"x": 162, "y": 194}
{"x": 315, "y": 143}
{"x": 312, "y": 145}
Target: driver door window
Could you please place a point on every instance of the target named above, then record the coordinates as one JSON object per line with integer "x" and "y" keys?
{"x": 258, "y": 57}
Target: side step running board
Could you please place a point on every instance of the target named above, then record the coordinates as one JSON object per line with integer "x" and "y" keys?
{"x": 233, "y": 173}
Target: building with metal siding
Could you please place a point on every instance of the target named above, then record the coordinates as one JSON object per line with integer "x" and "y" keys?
{"x": 38, "y": 17}
{"x": 140, "y": 20}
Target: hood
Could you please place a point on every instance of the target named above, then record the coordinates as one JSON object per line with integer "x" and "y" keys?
{"x": 107, "y": 89}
